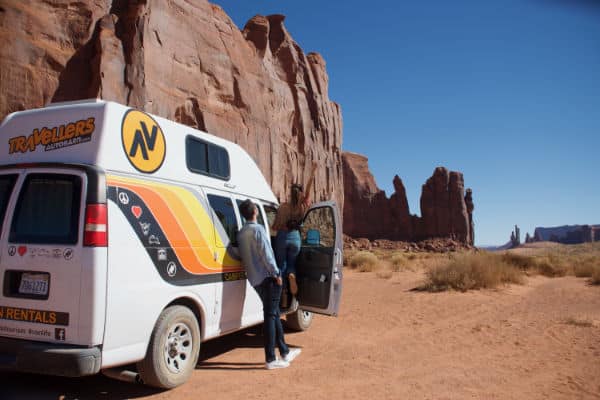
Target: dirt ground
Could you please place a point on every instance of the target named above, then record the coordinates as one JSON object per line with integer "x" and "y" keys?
{"x": 536, "y": 341}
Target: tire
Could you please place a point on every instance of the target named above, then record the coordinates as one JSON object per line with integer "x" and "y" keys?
{"x": 173, "y": 349}
{"x": 299, "y": 320}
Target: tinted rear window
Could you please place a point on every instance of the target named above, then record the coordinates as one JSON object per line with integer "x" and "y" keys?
{"x": 47, "y": 211}
{"x": 7, "y": 183}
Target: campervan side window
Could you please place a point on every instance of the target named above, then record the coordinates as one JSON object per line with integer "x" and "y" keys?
{"x": 206, "y": 158}
{"x": 223, "y": 208}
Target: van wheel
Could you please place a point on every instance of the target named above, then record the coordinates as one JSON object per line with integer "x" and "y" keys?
{"x": 299, "y": 320}
{"x": 173, "y": 349}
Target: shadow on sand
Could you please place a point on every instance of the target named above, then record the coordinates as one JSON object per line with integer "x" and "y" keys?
{"x": 16, "y": 386}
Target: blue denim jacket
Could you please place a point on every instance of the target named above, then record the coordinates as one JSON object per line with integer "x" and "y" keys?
{"x": 256, "y": 252}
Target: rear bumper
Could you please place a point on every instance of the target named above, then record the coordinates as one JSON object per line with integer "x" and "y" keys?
{"x": 48, "y": 359}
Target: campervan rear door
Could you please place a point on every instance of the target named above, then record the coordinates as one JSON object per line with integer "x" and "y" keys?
{"x": 319, "y": 265}
{"x": 41, "y": 254}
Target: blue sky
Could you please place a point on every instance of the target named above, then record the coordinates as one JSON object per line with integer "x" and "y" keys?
{"x": 507, "y": 92}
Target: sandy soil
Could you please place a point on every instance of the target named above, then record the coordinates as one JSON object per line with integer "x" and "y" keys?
{"x": 536, "y": 341}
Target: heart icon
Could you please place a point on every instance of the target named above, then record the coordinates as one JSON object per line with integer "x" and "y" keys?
{"x": 22, "y": 250}
{"x": 137, "y": 211}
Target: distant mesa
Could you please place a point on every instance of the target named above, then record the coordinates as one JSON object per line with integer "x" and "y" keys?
{"x": 446, "y": 210}
{"x": 566, "y": 234}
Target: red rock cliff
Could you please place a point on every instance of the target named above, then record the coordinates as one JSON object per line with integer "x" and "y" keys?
{"x": 186, "y": 61}
{"x": 365, "y": 202}
{"x": 445, "y": 210}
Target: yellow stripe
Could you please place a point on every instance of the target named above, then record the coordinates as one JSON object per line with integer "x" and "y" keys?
{"x": 194, "y": 221}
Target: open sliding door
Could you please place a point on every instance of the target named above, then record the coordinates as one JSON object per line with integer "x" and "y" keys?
{"x": 319, "y": 265}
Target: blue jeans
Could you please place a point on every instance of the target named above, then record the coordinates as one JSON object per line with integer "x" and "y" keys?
{"x": 287, "y": 248}
{"x": 270, "y": 293}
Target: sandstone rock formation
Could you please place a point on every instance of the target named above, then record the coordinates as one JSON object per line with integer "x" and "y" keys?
{"x": 446, "y": 212}
{"x": 443, "y": 207}
{"x": 186, "y": 61}
{"x": 515, "y": 237}
{"x": 365, "y": 203}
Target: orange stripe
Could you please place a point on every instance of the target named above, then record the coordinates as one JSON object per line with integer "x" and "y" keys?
{"x": 170, "y": 227}
{"x": 194, "y": 236}
{"x": 177, "y": 223}
{"x": 200, "y": 246}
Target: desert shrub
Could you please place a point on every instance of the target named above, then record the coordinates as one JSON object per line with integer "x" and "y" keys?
{"x": 348, "y": 254}
{"x": 412, "y": 256}
{"x": 471, "y": 271}
{"x": 427, "y": 255}
{"x": 522, "y": 262}
{"x": 552, "y": 266}
{"x": 364, "y": 261}
{"x": 585, "y": 267}
{"x": 399, "y": 262}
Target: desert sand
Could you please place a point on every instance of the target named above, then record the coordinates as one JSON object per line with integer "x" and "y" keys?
{"x": 540, "y": 340}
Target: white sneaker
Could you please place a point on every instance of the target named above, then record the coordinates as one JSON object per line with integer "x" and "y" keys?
{"x": 276, "y": 364}
{"x": 289, "y": 357}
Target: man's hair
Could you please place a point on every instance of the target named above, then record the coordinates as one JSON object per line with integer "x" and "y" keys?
{"x": 247, "y": 208}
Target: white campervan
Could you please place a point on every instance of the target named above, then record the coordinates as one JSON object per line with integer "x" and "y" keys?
{"x": 118, "y": 244}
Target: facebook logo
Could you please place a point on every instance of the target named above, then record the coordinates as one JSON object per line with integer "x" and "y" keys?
{"x": 59, "y": 334}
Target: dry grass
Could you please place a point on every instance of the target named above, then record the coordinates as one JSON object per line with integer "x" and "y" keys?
{"x": 553, "y": 265}
{"x": 471, "y": 271}
{"x": 523, "y": 262}
{"x": 348, "y": 254}
{"x": 547, "y": 264}
{"x": 400, "y": 262}
{"x": 586, "y": 267}
{"x": 364, "y": 261}
{"x": 462, "y": 271}
{"x": 555, "y": 259}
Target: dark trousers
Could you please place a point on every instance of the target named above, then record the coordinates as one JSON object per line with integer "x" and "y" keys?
{"x": 270, "y": 293}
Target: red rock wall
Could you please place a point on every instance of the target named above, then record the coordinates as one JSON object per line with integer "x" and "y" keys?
{"x": 186, "y": 61}
{"x": 364, "y": 201}
{"x": 368, "y": 213}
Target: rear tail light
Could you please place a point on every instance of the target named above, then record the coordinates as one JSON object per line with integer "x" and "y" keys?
{"x": 95, "y": 233}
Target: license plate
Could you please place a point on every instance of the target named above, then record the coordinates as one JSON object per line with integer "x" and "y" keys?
{"x": 34, "y": 284}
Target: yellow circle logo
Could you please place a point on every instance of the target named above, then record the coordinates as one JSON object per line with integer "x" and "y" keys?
{"x": 143, "y": 141}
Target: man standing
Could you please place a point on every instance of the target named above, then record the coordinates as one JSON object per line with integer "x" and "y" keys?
{"x": 264, "y": 276}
